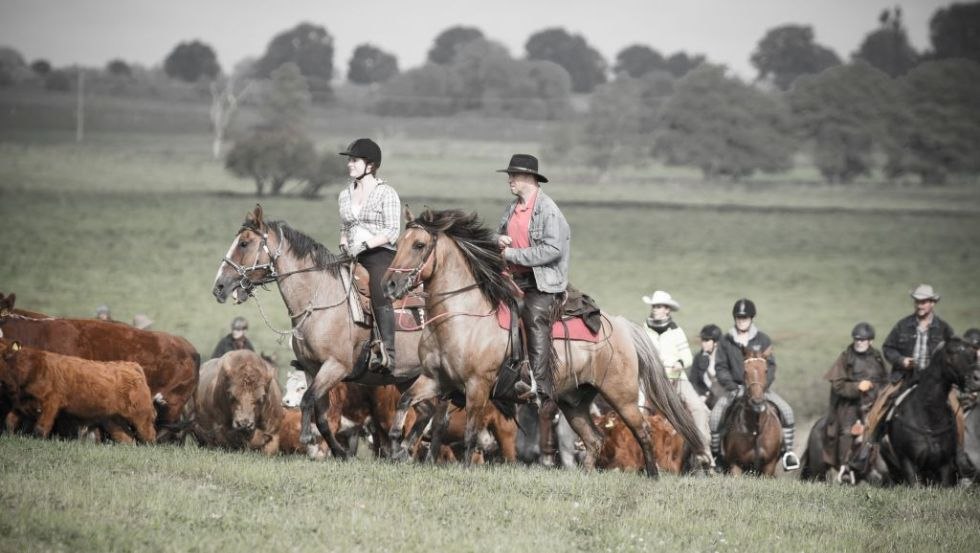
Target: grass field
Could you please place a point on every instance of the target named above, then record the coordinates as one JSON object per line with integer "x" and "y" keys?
{"x": 139, "y": 219}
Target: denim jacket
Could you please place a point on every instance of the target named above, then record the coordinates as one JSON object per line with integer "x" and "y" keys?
{"x": 551, "y": 244}
{"x": 901, "y": 340}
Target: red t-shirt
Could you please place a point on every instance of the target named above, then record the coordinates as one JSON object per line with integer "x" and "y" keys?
{"x": 518, "y": 228}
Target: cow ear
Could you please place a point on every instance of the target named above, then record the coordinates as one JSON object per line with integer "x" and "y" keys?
{"x": 15, "y": 346}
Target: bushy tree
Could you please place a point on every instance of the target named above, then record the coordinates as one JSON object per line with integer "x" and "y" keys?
{"x": 848, "y": 112}
{"x": 637, "y": 60}
{"x": 285, "y": 99}
{"x": 888, "y": 48}
{"x": 426, "y": 91}
{"x": 941, "y": 135}
{"x": 680, "y": 64}
{"x": 119, "y": 68}
{"x": 191, "y": 61}
{"x": 789, "y": 51}
{"x": 271, "y": 158}
{"x": 41, "y": 67}
{"x": 308, "y": 46}
{"x": 13, "y": 68}
{"x": 328, "y": 169}
{"x": 955, "y": 31}
{"x": 444, "y": 48}
{"x": 584, "y": 64}
{"x": 58, "y": 80}
{"x": 370, "y": 64}
{"x": 623, "y": 117}
{"x": 724, "y": 127}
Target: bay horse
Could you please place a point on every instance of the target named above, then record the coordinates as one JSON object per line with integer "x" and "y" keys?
{"x": 462, "y": 345}
{"x": 919, "y": 444}
{"x": 325, "y": 339}
{"x": 753, "y": 435}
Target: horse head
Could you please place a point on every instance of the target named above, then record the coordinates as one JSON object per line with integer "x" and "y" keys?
{"x": 413, "y": 263}
{"x": 249, "y": 261}
{"x": 962, "y": 361}
{"x": 756, "y": 363}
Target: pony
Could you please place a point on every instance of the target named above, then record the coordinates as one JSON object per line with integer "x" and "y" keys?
{"x": 462, "y": 345}
{"x": 169, "y": 362}
{"x": 325, "y": 339}
{"x": 753, "y": 435}
{"x": 919, "y": 443}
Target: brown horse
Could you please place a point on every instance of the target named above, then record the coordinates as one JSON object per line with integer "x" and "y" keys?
{"x": 753, "y": 437}
{"x": 326, "y": 341}
{"x": 169, "y": 362}
{"x": 462, "y": 346}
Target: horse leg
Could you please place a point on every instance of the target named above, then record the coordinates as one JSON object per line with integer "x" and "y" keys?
{"x": 422, "y": 389}
{"x": 909, "y": 472}
{"x": 640, "y": 427}
{"x": 316, "y": 404}
{"x": 477, "y": 403}
{"x": 581, "y": 422}
{"x": 440, "y": 419}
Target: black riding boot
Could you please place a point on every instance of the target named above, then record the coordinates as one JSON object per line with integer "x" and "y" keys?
{"x": 538, "y": 316}
{"x": 385, "y": 317}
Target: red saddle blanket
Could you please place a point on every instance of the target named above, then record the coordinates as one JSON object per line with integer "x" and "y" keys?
{"x": 575, "y": 326}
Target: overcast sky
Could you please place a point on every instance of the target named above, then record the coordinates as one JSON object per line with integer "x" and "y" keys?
{"x": 91, "y": 32}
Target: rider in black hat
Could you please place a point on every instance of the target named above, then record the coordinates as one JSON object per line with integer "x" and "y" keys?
{"x": 730, "y": 368}
{"x": 702, "y": 370}
{"x": 370, "y": 221}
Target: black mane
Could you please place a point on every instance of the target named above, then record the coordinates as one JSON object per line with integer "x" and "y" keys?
{"x": 303, "y": 246}
{"x": 479, "y": 247}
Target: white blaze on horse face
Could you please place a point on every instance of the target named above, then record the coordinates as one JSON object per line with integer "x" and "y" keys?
{"x": 295, "y": 388}
{"x": 221, "y": 265}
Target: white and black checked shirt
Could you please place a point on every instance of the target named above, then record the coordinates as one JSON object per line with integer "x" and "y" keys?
{"x": 921, "y": 351}
{"x": 380, "y": 214}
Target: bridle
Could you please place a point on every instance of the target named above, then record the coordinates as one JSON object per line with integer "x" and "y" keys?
{"x": 415, "y": 273}
{"x": 760, "y": 384}
{"x": 246, "y": 283}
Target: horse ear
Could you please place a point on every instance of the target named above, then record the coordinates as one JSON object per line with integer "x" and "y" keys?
{"x": 408, "y": 216}
{"x": 255, "y": 217}
{"x": 766, "y": 354}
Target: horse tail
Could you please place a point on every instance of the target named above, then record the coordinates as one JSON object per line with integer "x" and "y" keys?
{"x": 660, "y": 392}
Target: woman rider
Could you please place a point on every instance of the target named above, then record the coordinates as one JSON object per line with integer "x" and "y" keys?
{"x": 370, "y": 220}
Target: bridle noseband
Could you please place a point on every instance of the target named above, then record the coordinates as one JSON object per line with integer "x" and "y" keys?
{"x": 415, "y": 274}
{"x": 272, "y": 275}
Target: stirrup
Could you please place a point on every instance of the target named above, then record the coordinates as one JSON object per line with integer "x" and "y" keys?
{"x": 379, "y": 361}
{"x": 790, "y": 461}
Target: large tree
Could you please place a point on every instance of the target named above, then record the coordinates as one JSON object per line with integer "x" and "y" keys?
{"x": 623, "y": 117}
{"x": 191, "y": 61}
{"x": 955, "y": 31}
{"x": 724, "y": 127}
{"x": 888, "y": 48}
{"x": 789, "y": 51}
{"x": 638, "y": 60}
{"x": 942, "y": 132}
{"x": 370, "y": 64}
{"x": 448, "y": 42}
{"x": 584, "y": 64}
{"x": 848, "y": 114}
{"x": 308, "y": 46}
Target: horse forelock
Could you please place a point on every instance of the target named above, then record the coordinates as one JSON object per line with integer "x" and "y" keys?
{"x": 476, "y": 242}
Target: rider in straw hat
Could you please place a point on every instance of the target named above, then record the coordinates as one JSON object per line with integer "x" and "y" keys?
{"x": 675, "y": 354}
{"x": 535, "y": 241}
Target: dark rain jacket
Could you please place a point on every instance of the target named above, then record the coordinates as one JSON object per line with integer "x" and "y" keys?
{"x": 901, "y": 340}
{"x": 729, "y": 361}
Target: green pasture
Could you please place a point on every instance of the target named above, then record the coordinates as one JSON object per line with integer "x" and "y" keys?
{"x": 78, "y": 497}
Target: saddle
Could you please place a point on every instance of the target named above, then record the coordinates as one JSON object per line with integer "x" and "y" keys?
{"x": 409, "y": 310}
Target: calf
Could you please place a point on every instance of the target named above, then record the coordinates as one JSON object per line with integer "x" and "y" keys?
{"x": 237, "y": 404}
{"x": 289, "y": 438}
{"x": 621, "y": 451}
{"x": 111, "y": 394}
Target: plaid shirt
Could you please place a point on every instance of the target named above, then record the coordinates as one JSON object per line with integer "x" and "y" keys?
{"x": 380, "y": 214}
{"x": 921, "y": 351}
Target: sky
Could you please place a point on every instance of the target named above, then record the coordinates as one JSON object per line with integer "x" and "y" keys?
{"x": 92, "y": 32}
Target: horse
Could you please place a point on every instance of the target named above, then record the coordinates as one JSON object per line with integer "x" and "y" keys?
{"x": 919, "y": 444}
{"x": 753, "y": 435}
{"x": 325, "y": 339}
{"x": 462, "y": 345}
{"x": 971, "y": 445}
{"x": 170, "y": 362}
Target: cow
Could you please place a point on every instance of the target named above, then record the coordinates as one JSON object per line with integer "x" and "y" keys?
{"x": 169, "y": 362}
{"x": 289, "y": 437}
{"x": 237, "y": 404}
{"x": 113, "y": 395}
{"x": 620, "y": 450}
{"x": 497, "y": 441}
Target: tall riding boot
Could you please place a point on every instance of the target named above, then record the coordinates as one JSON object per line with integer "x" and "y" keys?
{"x": 538, "y": 318}
{"x": 548, "y": 441}
{"x": 385, "y": 317}
{"x": 790, "y": 460}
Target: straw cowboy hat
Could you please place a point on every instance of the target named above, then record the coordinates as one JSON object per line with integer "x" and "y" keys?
{"x": 524, "y": 163}
{"x": 662, "y": 298}
{"x": 924, "y": 292}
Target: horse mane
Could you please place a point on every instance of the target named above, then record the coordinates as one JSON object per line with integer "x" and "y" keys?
{"x": 479, "y": 247}
{"x": 302, "y": 245}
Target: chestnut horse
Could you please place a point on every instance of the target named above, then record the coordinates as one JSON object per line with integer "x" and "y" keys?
{"x": 754, "y": 434}
{"x": 462, "y": 345}
{"x": 325, "y": 338}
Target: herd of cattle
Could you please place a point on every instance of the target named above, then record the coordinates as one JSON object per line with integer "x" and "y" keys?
{"x": 110, "y": 381}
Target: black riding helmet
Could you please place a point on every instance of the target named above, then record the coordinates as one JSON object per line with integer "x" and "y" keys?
{"x": 711, "y": 332}
{"x": 366, "y": 149}
{"x": 744, "y": 308}
{"x": 863, "y": 331}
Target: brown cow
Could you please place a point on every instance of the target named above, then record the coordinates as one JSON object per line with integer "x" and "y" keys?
{"x": 451, "y": 437}
{"x": 111, "y": 394}
{"x": 289, "y": 437}
{"x": 169, "y": 362}
{"x": 238, "y": 403}
{"x": 620, "y": 450}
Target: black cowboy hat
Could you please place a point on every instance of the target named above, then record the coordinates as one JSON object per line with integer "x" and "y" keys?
{"x": 524, "y": 163}
{"x": 366, "y": 149}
